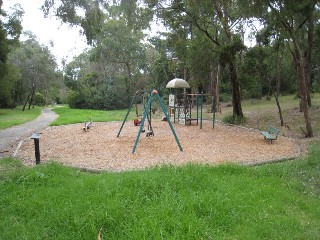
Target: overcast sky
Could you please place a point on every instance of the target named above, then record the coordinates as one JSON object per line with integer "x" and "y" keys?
{"x": 67, "y": 41}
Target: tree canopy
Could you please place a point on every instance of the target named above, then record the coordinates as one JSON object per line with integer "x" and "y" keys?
{"x": 203, "y": 42}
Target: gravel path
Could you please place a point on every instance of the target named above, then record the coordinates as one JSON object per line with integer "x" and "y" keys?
{"x": 12, "y": 138}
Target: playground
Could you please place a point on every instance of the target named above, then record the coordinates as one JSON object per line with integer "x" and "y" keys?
{"x": 151, "y": 140}
{"x": 100, "y": 149}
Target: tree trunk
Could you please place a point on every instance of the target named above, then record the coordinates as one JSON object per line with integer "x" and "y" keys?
{"x": 218, "y": 90}
{"x": 25, "y": 104}
{"x": 279, "y": 108}
{"x": 236, "y": 97}
{"x": 308, "y": 58}
{"x": 318, "y": 71}
{"x": 46, "y": 97}
{"x": 303, "y": 88}
{"x": 129, "y": 83}
{"x": 32, "y": 95}
{"x": 261, "y": 72}
{"x": 269, "y": 89}
{"x": 278, "y": 84}
{"x": 214, "y": 87}
{"x": 278, "y": 79}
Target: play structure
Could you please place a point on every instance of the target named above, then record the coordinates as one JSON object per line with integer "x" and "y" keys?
{"x": 180, "y": 109}
{"x": 147, "y": 115}
{"x": 181, "y": 103}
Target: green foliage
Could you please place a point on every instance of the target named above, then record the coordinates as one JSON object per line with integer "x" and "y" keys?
{"x": 110, "y": 73}
{"x": 228, "y": 52}
{"x": 105, "y": 96}
{"x": 231, "y": 119}
{"x": 37, "y": 66}
{"x": 4, "y": 50}
{"x": 278, "y": 201}
{"x": 39, "y": 99}
{"x": 78, "y": 99}
{"x": 10, "y": 29}
{"x": 225, "y": 97}
{"x": 8, "y": 84}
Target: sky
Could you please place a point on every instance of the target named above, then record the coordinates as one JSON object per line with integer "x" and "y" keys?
{"x": 67, "y": 41}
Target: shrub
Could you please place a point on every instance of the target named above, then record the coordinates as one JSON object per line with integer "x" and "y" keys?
{"x": 224, "y": 97}
{"x": 231, "y": 119}
{"x": 39, "y": 99}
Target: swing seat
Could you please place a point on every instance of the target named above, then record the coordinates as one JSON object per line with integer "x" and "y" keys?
{"x": 136, "y": 122}
{"x": 149, "y": 133}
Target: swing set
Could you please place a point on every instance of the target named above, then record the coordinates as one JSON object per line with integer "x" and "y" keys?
{"x": 147, "y": 115}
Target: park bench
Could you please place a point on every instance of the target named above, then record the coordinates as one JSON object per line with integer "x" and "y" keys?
{"x": 271, "y": 134}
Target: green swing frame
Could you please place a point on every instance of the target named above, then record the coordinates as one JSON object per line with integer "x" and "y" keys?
{"x": 147, "y": 109}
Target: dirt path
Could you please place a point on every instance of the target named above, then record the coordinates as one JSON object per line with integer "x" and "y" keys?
{"x": 11, "y": 138}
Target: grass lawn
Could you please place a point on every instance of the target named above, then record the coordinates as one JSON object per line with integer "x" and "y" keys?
{"x": 13, "y": 117}
{"x": 69, "y": 115}
{"x": 274, "y": 201}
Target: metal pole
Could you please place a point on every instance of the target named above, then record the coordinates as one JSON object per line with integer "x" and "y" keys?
{"x": 172, "y": 129}
{"x": 214, "y": 111}
{"x": 154, "y": 92}
{"x": 36, "y": 137}
{"x": 197, "y": 108}
{"x": 174, "y": 106}
{"x": 125, "y": 119}
{"x": 185, "y": 108}
{"x": 201, "y": 110}
{"x": 142, "y": 122}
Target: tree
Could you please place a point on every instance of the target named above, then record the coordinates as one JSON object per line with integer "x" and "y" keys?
{"x": 291, "y": 17}
{"x": 38, "y": 68}
{"x": 217, "y": 20}
{"x": 120, "y": 44}
{"x": 10, "y": 29}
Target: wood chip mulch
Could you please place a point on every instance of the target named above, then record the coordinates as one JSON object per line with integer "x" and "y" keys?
{"x": 100, "y": 149}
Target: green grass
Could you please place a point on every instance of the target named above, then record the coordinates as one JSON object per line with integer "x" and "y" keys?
{"x": 69, "y": 115}
{"x": 50, "y": 201}
{"x": 13, "y": 117}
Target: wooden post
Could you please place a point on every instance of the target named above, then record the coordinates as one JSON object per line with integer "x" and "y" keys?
{"x": 36, "y": 137}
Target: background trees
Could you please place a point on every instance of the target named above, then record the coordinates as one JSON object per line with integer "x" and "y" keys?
{"x": 10, "y": 30}
{"x": 26, "y": 67}
{"x": 203, "y": 42}
{"x": 295, "y": 20}
{"x": 38, "y": 72}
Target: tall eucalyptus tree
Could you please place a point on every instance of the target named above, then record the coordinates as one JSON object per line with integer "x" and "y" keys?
{"x": 219, "y": 21}
{"x": 295, "y": 19}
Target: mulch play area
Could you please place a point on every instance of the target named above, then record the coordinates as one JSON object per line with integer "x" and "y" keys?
{"x": 100, "y": 149}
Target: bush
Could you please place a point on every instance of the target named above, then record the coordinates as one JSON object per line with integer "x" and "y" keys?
{"x": 234, "y": 119}
{"x": 39, "y": 99}
{"x": 77, "y": 99}
{"x": 224, "y": 97}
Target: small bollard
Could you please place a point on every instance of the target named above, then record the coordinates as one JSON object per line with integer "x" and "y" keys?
{"x": 36, "y": 137}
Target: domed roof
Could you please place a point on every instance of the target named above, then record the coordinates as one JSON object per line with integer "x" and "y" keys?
{"x": 178, "y": 83}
